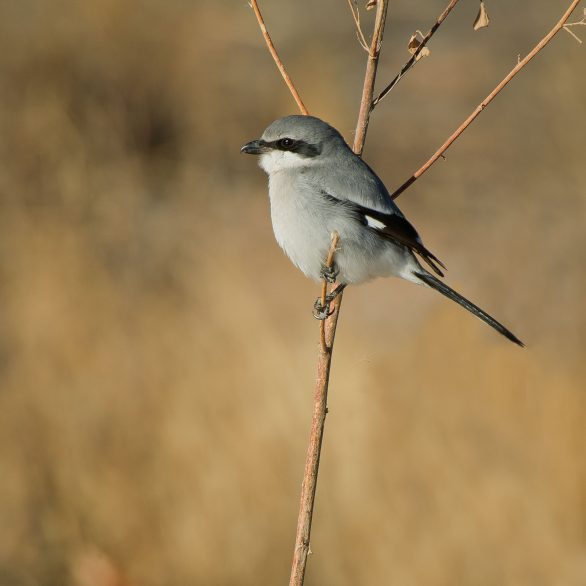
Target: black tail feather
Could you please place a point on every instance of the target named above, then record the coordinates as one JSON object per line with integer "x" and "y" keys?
{"x": 474, "y": 309}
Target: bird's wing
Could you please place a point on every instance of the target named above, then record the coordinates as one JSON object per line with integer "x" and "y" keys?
{"x": 349, "y": 178}
{"x": 390, "y": 226}
{"x": 358, "y": 188}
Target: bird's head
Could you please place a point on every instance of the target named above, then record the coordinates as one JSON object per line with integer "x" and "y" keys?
{"x": 294, "y": 141}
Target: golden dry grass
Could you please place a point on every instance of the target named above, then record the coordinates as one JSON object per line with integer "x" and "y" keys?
{"x": 157, "y": 349}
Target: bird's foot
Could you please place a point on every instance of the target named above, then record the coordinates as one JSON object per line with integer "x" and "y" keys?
{"x": 321, "y": 310}
{"x": 329, "y": 274}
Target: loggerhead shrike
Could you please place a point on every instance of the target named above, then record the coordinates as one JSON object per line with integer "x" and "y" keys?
{"x": 318, "y": 186}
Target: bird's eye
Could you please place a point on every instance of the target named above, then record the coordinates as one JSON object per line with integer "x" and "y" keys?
{"x": 286, "y": 143}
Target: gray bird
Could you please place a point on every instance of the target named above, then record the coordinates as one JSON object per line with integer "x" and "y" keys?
{"x": 318, "y": 186}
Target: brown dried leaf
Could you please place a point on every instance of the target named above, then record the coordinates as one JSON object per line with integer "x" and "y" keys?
{"x": 413, "y": 45}
{"x": 371, "y": 4}
{"x": 482, "y": 19}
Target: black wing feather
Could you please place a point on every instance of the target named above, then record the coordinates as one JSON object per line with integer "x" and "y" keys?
{"x": 395, "y": 228}
{"x": 398, "y": 229}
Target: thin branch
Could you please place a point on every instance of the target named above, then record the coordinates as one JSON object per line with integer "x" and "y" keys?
{"x": 578, "y": 22}
{"x": 356, "y": 16}
{"x": 276, "y": 58}
{"x": 415, "y": 56}
{"x": 327, "y": 336}
{"x": 573, "y": 34}
{"x": 439, "y": 153}
{"x": 324, "y": 289}
{"x": 369, "y": 77}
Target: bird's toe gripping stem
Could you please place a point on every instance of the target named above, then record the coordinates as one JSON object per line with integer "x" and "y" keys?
{"x": 321, "y": 310}
{"x": 329, "y": 274}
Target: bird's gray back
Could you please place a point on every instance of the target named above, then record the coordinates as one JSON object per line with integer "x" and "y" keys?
{"x": 346, "y": 176}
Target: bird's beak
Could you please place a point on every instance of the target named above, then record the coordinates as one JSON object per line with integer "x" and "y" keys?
{"x": 254, "y": 147}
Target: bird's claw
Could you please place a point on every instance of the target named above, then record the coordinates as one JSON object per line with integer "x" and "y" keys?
{"x": 329, "y": 274}
{"x": 322, "y": 311}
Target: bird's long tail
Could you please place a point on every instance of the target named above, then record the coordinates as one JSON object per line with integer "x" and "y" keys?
{"x": 438, "y": 285}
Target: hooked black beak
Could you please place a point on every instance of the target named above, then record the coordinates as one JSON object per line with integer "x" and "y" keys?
{"x": 254, "y": 147}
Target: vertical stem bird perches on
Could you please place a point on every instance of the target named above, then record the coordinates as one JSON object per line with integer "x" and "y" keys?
{"x": 369, "y": 77}
{"x": 328, "y": 326}
{"x": 324, "y": 289}
{"x": 328, "y": 333}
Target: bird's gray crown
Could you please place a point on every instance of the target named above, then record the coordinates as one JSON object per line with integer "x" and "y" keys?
{"x": 307, "y": 128}
{"x": 308, "y": 136}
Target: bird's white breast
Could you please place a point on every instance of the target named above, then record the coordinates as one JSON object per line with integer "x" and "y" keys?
{"x": 299, "y": 227}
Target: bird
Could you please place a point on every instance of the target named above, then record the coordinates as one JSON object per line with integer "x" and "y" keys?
{"x": 317, "y": 187}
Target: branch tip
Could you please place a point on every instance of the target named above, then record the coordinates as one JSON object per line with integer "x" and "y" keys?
{"x": 328, "y": 333}
{"x": 271, "y": 47}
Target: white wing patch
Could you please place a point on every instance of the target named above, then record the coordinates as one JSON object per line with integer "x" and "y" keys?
{"x": 375, "y": 223}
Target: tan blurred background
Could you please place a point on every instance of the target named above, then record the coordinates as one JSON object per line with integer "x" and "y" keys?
{"x": 157, "y": 350}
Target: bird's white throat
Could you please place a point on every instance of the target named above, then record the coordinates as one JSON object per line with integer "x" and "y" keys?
{"x": 275, "y": 161}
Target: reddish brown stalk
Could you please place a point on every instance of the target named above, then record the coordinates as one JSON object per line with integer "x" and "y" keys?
{"x": 324, "y": 289}
{"x": 369, "y": 77}
{"x": 327, "y": 336}
{"x": 556, "y": 29}
{"x": 276, "y": 58}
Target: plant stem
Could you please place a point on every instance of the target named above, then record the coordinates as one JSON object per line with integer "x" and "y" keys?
{"x": 328, "y": 334}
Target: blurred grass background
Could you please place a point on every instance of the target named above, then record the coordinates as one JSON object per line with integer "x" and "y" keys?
{"x": 157, "y": 350}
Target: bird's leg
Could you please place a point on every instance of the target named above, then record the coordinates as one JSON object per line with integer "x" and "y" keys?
{"x": 322, "y": 311}
{"x": 329, "y": 274}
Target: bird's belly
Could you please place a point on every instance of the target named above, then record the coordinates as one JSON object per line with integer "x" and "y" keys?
{"x": 304, "y": 238}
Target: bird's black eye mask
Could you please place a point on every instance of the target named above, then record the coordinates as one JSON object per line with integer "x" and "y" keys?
{"x": 300, "y": 147}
